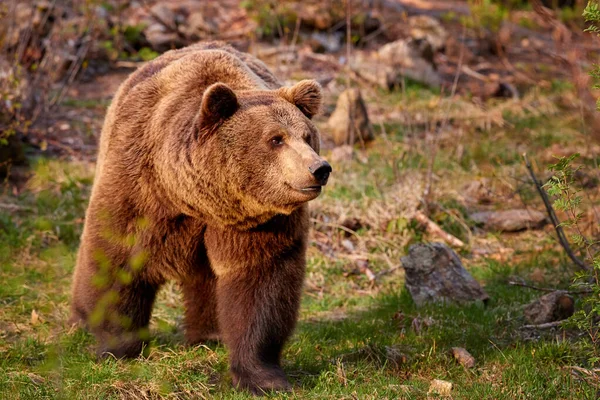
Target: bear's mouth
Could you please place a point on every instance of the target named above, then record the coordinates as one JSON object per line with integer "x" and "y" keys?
{"x": 308, "y": 189}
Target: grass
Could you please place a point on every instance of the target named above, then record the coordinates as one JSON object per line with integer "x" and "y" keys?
{"x": 354, "y": 339}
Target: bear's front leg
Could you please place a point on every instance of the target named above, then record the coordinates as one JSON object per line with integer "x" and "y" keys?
{"x": 258, "y": 296}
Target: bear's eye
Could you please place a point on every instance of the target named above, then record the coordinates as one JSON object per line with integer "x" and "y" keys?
{"x": 277, "y": 140}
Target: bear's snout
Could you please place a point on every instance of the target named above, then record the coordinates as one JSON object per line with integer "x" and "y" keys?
{"x": 320, "y": 170}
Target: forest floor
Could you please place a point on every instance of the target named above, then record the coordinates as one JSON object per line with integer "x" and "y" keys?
{"x": 360, "y": 335}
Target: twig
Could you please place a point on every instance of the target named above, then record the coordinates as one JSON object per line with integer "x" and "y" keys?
{"x": 547, "y": 325}
{"x": 73, "y": 70}
{"x": 13, "y": 207}
{"x": 554, "y": 219}
{"x": 296, "y": 32}
{"x": 387, "y": 271}
{"x": 589, "y": 375}
{"x": 435, "y": 229}
{"x": 542, "y": 289}
{"x": 331, "y": 225}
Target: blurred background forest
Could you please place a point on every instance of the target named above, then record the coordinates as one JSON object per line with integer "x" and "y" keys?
{"x": 469, "y": 123}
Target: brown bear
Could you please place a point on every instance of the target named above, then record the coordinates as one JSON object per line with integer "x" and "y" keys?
{"x": 205, "y": 167}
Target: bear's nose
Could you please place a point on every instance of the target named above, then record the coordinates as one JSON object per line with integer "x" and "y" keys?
{"x": 321, "y": 171}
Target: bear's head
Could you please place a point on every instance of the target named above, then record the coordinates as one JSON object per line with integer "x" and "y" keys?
{"x": 267, "y": 145}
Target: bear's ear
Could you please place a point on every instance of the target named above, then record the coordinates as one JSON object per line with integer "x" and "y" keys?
{"x": 307, "y": 95}
{"x": 219, "y": 102}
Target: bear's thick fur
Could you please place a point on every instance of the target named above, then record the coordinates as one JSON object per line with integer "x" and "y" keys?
{"x": 204, "y": 170}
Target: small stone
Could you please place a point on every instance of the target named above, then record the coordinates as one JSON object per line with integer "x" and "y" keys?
{"x": 463, "y": 357}
{"x": 554, "y": 306}
{"x": 349, "y": 123}
{"x": 348, "y": 245}
{"x": 438, "y": 386}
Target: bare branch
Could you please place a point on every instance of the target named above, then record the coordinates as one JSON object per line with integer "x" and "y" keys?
{"x": 547, "y": 325}
{"x": 434, "y": 229}
{"x": 562, "y": 238}
{"x": 542, "y": 289}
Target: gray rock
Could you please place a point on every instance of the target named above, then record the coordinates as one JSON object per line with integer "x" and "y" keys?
{"x": 424, "y": 27}
{"x": 164, "y": 15}
{"x": 411, "y": 59}
{"x": 397, "y": 61}
{"x": 349, "y": 123}
{"x": 510, "y": 220}
{"x": 198, "y": 26}
{"x": 434, "y": 273}
{"x": 554, "y": 306}
{"x": 160, "y": 38}
{"x": 323, "y": 41}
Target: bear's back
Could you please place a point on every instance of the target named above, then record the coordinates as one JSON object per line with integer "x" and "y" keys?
{"x": 153, "y": 68}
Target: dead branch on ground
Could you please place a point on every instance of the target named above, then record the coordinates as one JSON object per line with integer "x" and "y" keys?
{"x": 542, "y": 289}
{"x": 434, "y": 229}
{"x": 547, "y": 325}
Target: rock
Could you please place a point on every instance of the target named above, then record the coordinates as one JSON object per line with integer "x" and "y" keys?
{"x": 160, "y": 38}
{"x": 424, "y": 27}
{"x": 396, "y": 61}
{"x": 322, "y": 42}
{"x": 510, "y": 220}
{"x": 349, "y": 123}
{"x": 395, "y": 357}
{"x": 440, "y": 387}
{"x": 342, "y": 153}
{"x": 348, "y": 245}
{"x": 198, "y": 27}
{"x": 463, "y": 357}
{"x": 478, "y": 191}
{"x": 164, "y": 15}
{"x": 435, "y": 273}
{"x": 554, "y": 306}
{"x": 331, "y": 15}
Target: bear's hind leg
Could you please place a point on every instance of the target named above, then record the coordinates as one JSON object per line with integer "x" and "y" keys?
{"x": 199, "y": 296}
